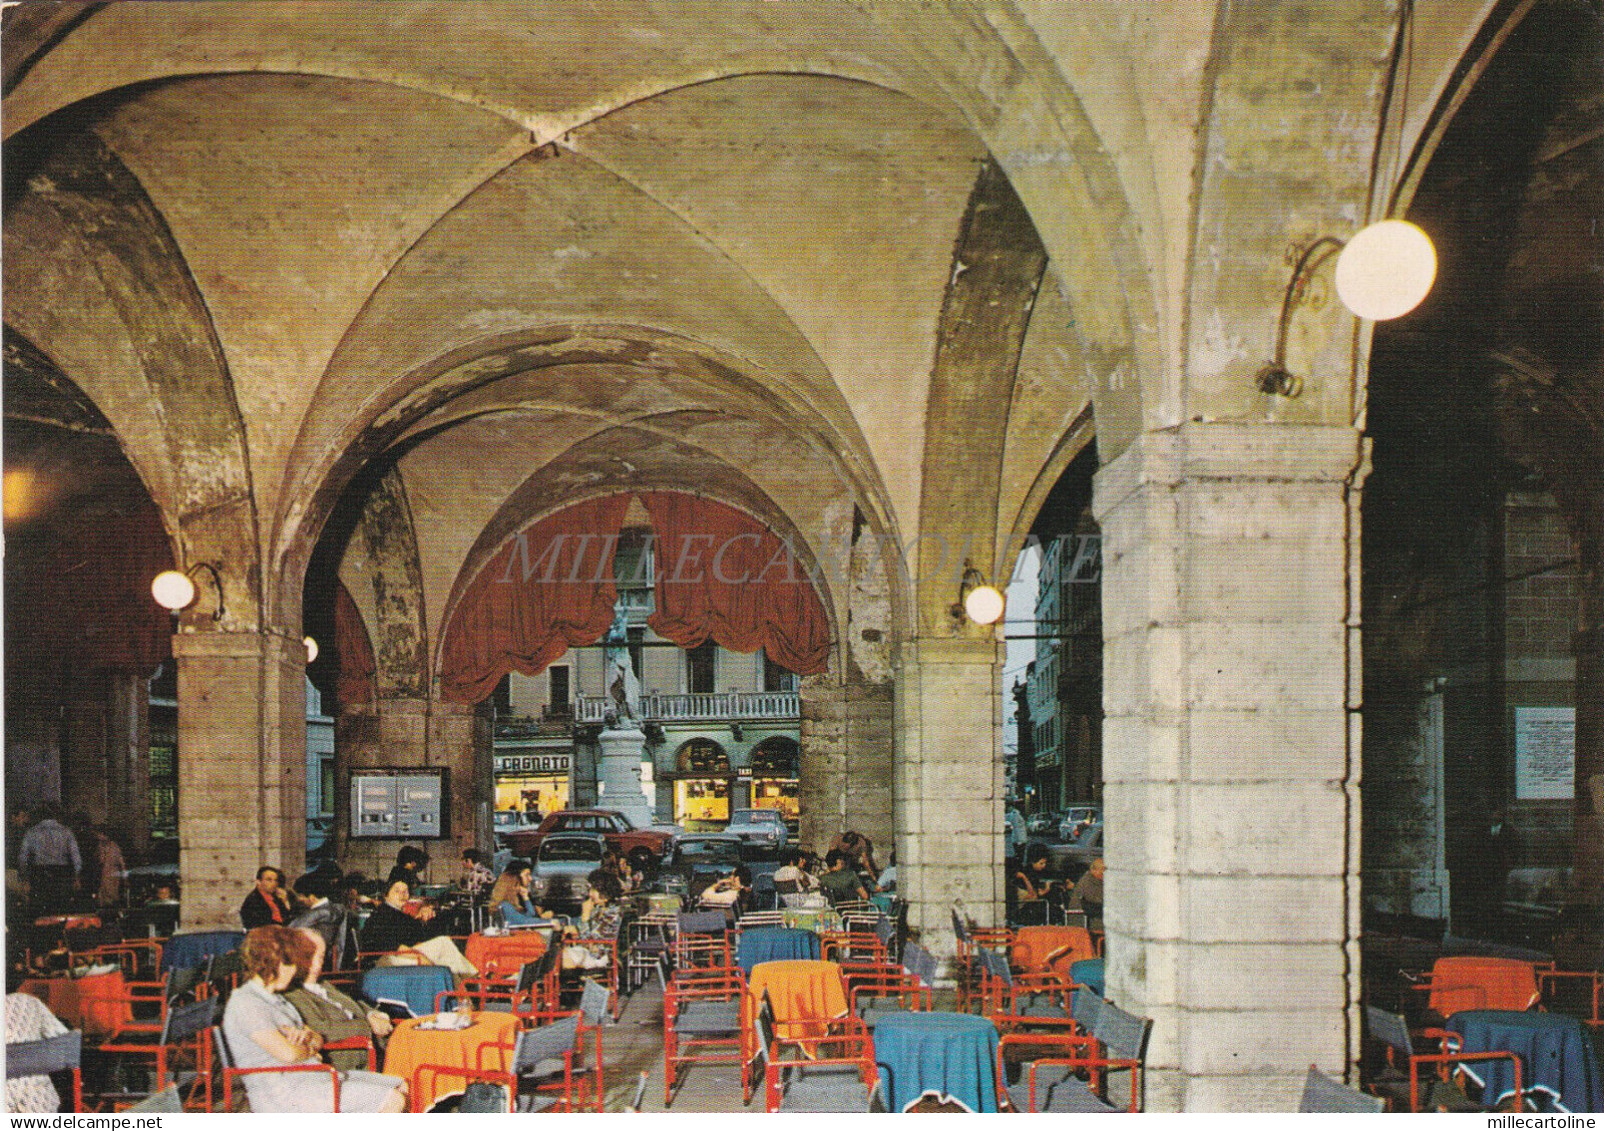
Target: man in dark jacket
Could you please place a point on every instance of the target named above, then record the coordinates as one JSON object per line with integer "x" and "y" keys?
{"x": 266, "y": 903}
{"x": 323, "y": 915}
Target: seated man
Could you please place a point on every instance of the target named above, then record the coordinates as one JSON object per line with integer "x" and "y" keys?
{"x": 793, "y": 876}
{"x": 322, "y": 914}
{"x": 266, "y": 903}
{"x": 841, "y": 883}
{"x": 328, "y": 1011}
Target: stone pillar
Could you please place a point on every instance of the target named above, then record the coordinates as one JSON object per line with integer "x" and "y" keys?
{"x": 822, "y": 776}
{"x": 1230, "y": 598}
{"x": 870, "y": 808}
{"x": 403, "y": 732}
{"x": 949, "y": 784}
{"x": 241, "y": 766}
{"x": 128, "y": 759}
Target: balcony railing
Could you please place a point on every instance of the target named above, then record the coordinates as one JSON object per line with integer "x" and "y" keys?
{"x": 719, "y": 706}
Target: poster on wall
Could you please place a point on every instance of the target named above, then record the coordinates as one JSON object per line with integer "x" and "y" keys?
{"x": 1545, "y": 753}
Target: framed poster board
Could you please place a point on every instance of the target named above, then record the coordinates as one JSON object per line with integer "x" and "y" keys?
{"x": 1545, "y": 753}
{"x": 399, "y": 804}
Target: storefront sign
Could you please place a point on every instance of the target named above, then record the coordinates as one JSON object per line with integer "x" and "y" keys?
{"x": 532, "y": 763}
{"x": 1545, "y": 753}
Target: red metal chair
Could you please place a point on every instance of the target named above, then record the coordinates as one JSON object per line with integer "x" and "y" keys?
{"x": 232, "y": 1073}
{"x": 48, "y": 1056}
{"x": 538, "y": 1072}
{"x": 183, "y": 1030}
{"x": 704, "y": 1022}
{"x": 1403, "y": 1084}
{"x": 1574, "y": 992}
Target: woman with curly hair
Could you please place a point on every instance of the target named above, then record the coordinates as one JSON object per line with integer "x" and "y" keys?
{"x": 264, "y": 1031}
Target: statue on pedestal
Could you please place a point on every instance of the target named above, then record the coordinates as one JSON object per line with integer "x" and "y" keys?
{"x": 622, "y": 684}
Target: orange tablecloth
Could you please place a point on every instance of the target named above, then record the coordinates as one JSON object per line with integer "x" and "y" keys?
{"x": 1032, "y": 945}
{"x": 805, "y": 993}
{"x": 504, "y": 954}
{"x": 97, "y": 1004}
{"x": 410, "y": 1047}
{"x": 1468, "y": 981}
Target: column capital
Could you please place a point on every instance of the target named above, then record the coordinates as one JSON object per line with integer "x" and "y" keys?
{"x": 1266, "y": 453}
{"x": 949, "y": 650}
{"x": 239, "y": 645}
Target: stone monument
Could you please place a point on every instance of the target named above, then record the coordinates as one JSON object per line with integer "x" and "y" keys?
{"x": 621, "y": 739}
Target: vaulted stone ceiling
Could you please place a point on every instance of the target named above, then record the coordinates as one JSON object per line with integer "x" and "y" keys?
{"x": 481, "y": 242}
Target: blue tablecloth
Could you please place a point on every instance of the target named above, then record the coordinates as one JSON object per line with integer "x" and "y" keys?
{"x": 1088, "y": 972}
{"x": 186, "y": 950}
{"x": 1556, "y": 1056}
{"x": 953, "y": 1055}
{"x": 774, "y": 944}
{"x": 415, "y": 985}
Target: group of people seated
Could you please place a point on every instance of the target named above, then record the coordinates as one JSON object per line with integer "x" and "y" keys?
{"x": 1032, "y": 885}
{"x": 283, "y": 1016}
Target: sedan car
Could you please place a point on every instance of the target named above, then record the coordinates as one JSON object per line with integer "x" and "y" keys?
{"x": 761, "y": 827}
{"x": 1044, "y": 823}
{"x": 562, "y": 868}
{"x": 1077, "y": 817}
{"x": 697, "y": 861}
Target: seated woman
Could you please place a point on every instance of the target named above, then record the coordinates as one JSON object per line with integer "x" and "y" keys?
{"x": 264, "y": 1031}
{"x": 326, "y": 1010}
{"x": 390, "y": 928}
{"x": 793, "y": 876}
{"x": 1032, "y": 889}
{"x": 510, "y": 896}
{"x": 599, "y": 918}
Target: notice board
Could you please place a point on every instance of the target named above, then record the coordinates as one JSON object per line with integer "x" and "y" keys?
{"x": 405, "y": 804}
{"x": 1545, "y": 753}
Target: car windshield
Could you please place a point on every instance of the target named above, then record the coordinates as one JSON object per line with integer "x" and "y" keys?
{"x": 707, "y": 851}
{"x": 753, "y": 817}
{"x": 576, "y": 849}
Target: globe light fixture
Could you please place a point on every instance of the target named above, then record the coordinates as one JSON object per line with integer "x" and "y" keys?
{"x": 984, "y": 605}
{"x": 173, "y": 590}
{"x": 311, "y": 648}
{"x": 1386, "y": 270}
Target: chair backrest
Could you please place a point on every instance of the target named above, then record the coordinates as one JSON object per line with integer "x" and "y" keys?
{"x": 1323, "y": 1094}
{"x": 163, "y": 1101}
{"x": 1390, "y": 1029}
{"x": 763, "y": 1030}
{"x": 1122, "y": 1034}
{"x": 544, "y": 1043}
{"x": 183, "y": 979}
{"x": 885, "y": 930}
{"x": 184, "y": 1021}
{"x": 593, "y": 1002}
{"x": 996, "y": 964}
{"x": 481, "y": 1097}
{"x": 224, "y": 1058}
{"x": 530, "y": 972}
{"x": 701, "y": 922}
{"x": 44, "y": 1056}
{"x": 1084, "y": 1006}
{"x": 959, "y": 928}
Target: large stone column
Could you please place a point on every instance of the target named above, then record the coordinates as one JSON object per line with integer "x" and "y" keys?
{"x": 949, "y": 784}
{"x": 1230, "y": 597}
{"x": 241, "y": 766}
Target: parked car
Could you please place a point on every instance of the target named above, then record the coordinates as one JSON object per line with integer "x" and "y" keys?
{"x": 1077, "y": 816}
{"x": 760, "y": 827}
{"x": 1043, "y": 823}
{"x": 699, "y": 859}
{"x": 644, "y": 847}
{"x": 562, "y": 866}
{"x": 1071, "y": 859}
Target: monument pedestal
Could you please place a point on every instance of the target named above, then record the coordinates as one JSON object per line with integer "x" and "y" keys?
{"x": 618, "y": 777}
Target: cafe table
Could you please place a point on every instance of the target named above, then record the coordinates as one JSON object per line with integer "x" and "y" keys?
{"x": 1462, "y": 982}
{"x": 806, "y": 994}
{"x": 774, "y": 944}
{"x": 413, "y": 986}
{"x": 195, "y": 947}
{"x": 952, "y": 1056}
{"x": 414, "y": 1043}
{"x": 96, "y": 1003}
{"x": 1089, "y": 973}
{"x": 504, "y": 955}
{"x": 1556, "y": 1055}
{"x": 811, "y": 918}
{"x": 1034, "y": 945}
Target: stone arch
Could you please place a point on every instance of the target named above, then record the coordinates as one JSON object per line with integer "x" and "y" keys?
{"x": 174, "y": 413}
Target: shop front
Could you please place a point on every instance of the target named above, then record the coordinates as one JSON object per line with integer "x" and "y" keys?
{"x": 532, "y": 783}
{"x": 702, "y": 786}
{"x": 774, "y": 764}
